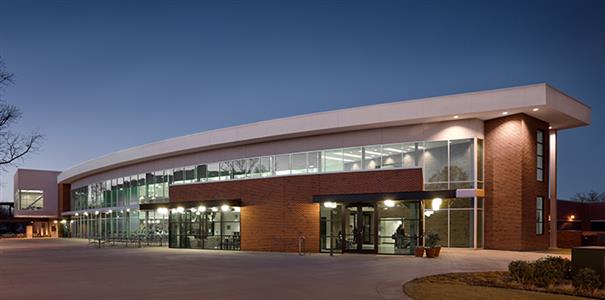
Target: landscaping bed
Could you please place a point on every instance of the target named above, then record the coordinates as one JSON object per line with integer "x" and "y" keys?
{"x": 549, "y": 276}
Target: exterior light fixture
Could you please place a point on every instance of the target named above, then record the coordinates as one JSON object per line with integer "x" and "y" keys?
{"x": 504, "y": 113}
{"x": 536, "y": 109}
{"x": 436, "y": 204}
{"x": 96, "y": 212}
{"x": 77, "y": 214}
{"x": 214, "y": 209}
{"x": 389, "y": 203}
{"x": 85, "y": 214}
{"x": 71, "y": 221}
{"x": 428, "y": 212}
{"x": 330, "y": 204}
{"x": 109, "y": 211}
{"x": 549, "y": 127}
{"x": 198, "y": 213}
{"x": 55, "y": 221}
{"x": 162, "y": 210}
{"x": 237, "y": 208}
{"x": 201, "y": 208}
{"x": 193, "y": 209}
{"x": 225, "y": 207}
{"x": 63, "y": 221}
{"x": 180, "y": 209}
{"x": 456, "y": 116}
{"x": 128, "y": 210}
{"x": 571, "y": 218}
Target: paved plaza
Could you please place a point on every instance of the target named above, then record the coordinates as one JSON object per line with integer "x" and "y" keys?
{"x": 70, "y": 269}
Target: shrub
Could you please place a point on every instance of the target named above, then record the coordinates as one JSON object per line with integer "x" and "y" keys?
{"x": 561, "y": 265}
{"x": 546, "y": 274}
{"x": 521, "y": 271}
{"x": 586, "y": 280}
{"x": 432, "y": 238}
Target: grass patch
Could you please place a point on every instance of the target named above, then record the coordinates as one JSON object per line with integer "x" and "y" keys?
{"x": 485, "y": 285}
{"x": 439, "y": 291}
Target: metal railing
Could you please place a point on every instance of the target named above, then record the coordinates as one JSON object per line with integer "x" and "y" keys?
{"x": 302, "y": 245}
{"x": 134, "y": 240}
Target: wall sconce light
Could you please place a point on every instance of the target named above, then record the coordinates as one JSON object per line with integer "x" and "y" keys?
{"x": 389, "y": 203}
{"x": 436, "y": 204}
{"x": 329, "y": 204}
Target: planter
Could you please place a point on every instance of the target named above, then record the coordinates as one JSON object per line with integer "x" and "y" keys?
{"x": 419, "y": 251}
{"x": 437, "y": 251}
{"x": 430, "y": 252}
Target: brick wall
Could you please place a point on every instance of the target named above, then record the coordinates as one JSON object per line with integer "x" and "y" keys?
{"x": 511, "y": 186}
{"x": 276, "y": 210}
{"x": 569, "y": 238}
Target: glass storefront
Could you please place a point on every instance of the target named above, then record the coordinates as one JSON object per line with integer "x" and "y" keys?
{"x": 391, "y": 228}
{"x": 201, "y": 228}
{"x": 397, "y": 227}
{"x": 454, "y": 222}
{"x": 145, "y": 225}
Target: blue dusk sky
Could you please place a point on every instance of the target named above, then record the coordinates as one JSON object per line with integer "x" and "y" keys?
{"x": 100, "y": 76}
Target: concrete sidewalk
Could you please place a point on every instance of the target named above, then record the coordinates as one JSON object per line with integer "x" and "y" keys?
{"x": 70, "y": 269}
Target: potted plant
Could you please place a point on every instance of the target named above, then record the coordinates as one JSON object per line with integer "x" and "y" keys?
{"x": 419, "y": 251}
{"x": 432, "y": 238}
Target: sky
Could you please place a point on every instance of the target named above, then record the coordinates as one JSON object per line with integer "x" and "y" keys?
{"x": 99, "y": 76}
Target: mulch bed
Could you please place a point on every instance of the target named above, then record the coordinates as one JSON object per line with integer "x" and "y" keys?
{"x": 503, "y": 280}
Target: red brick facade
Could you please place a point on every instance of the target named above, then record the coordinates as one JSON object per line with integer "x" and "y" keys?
{"x": 275, "y": 211}
{"x": 511, "y": 186}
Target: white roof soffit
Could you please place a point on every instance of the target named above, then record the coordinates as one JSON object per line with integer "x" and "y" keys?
{"x": 554, "y": 107}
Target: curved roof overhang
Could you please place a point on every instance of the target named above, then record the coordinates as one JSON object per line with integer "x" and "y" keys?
{"x": 554, "y": 107}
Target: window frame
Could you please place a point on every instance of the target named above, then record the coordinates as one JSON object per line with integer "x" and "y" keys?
{"x": 540, "y": 155}
{"x": 540, "y": 215}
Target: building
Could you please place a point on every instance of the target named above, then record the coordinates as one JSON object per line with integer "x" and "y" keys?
{"x": 477, "y": 168}
{"x": 37, "y": 202}
{"x": 580, "y": 223}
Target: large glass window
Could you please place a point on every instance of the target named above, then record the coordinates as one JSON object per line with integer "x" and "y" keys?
{"x": 240, "y": 168}
{"x": 333, "y": 160}
{"x": 314, "y": 162}
{"x": 266, "y": 166}
{"x": 213, "y": 172}
{"x": 540, "y": 155}
{"x": 392, "y": 156}
{"x": 373, "y": 157}
{"x": 352, "y": 159}
{"x": 282, "y": 165}
{"x": 399, "y": 227}
{"x": 299, "y": 163}
{"x": 30, "y": 199}
{"x": 412, "y": 155}
{"x": 540, "y": 215}
{"x": 436, "y": 171}
{"x": 213, "y": 228}
{"x": 461, "y": 164}
{"x": 226, "y": 170}
{"x": 254, "y": 167}
{"x": 446, "y": 165}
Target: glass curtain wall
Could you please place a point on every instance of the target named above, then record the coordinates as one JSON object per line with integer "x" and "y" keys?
{"x": 454, "y": 222}
{"x": 448, "y": 164}
{"x": 135, "y": 224}
{"x": 202, "y": 228}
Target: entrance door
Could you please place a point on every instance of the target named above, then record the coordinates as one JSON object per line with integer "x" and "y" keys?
{"x": 360, "y": 228}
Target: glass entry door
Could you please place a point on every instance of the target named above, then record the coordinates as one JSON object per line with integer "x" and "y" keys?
{"x": 360, "y": 228}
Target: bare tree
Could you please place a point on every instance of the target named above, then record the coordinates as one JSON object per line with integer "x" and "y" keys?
{"x": 13, "y": 146}
{"x": 591, "y": 196}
